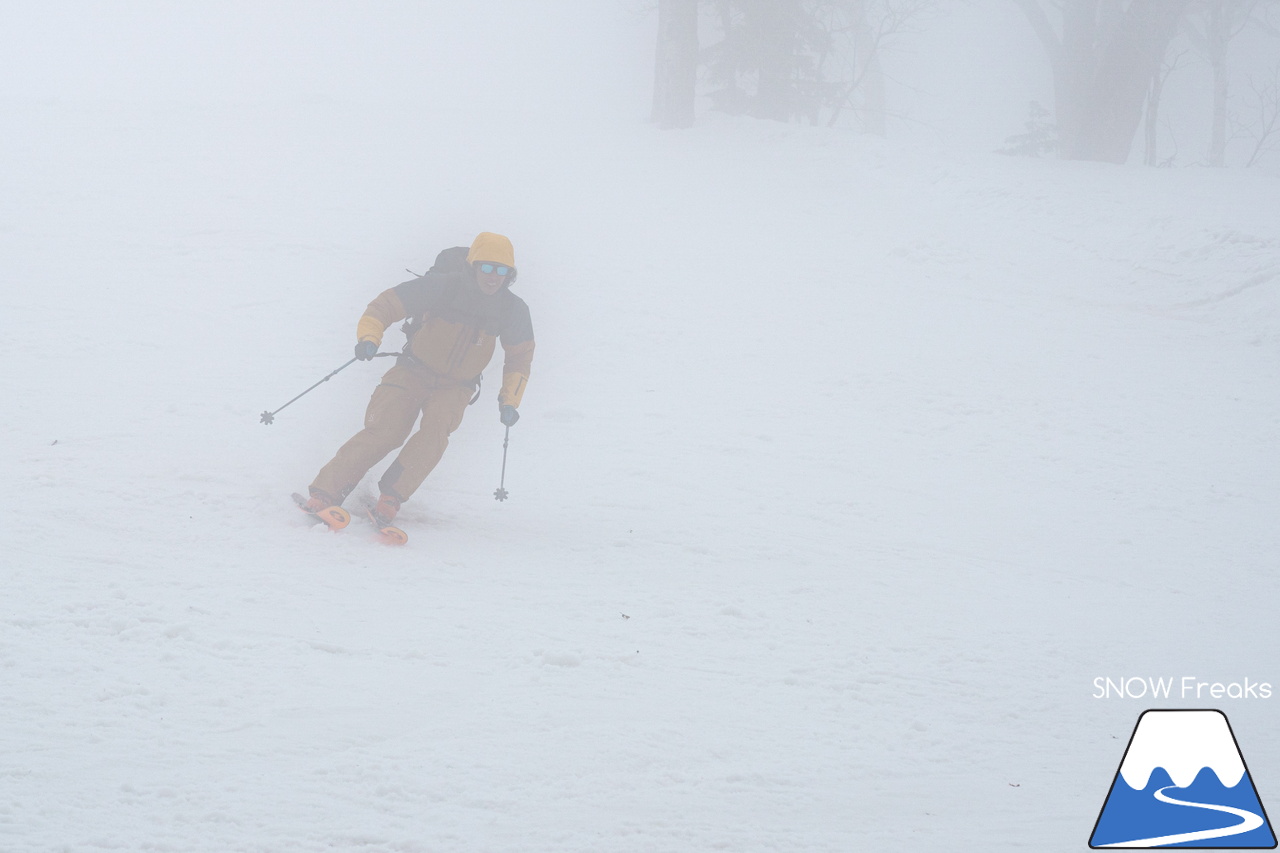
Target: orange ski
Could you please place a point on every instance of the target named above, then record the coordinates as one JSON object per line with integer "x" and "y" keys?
{"x": 333, "y": 517}
{"x": 388, "y": 534}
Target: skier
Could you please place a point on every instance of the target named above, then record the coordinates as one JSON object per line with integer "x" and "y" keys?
{"x": 456, "y": 313}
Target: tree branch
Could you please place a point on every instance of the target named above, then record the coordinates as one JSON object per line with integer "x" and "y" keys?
{"x": 1043, "y": 28}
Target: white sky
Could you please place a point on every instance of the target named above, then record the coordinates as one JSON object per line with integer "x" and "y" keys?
{"x": 535, "y": 54}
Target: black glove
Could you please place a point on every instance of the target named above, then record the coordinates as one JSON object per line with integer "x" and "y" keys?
{"x": 365, "y": 350}
{"x": 508, "y": 415}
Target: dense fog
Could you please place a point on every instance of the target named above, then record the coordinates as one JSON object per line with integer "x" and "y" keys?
{"x": 959, "y": 72}
{"x": 868, "y": 484}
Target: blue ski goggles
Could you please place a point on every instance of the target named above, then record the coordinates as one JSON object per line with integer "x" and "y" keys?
{"x": 500, "y": 269}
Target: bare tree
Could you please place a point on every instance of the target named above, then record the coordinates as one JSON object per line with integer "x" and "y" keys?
{"x": 783, "y": 59}
{"x": 1152, "y": 123}
{"x": 1104, "y": 54}
{"x": 675, "y": 78}
{"x": 1211, "y": 28}
{"x": 1265, "y": 130}
{"x": 764, "y": 63}
{"x": 872, "y": 27}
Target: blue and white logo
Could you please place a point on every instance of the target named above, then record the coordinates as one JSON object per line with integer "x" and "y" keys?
{"x": 1183, "y": 783}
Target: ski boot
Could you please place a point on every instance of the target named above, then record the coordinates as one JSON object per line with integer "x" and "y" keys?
{"x": 319, "y": 507}
{"x": 382, "y": 514}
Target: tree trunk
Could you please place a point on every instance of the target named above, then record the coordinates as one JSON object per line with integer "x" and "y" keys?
{"x": 772, "y": 28}
{"x": 1218, "y": 35}
{"x": 675, "y": 78}
{"x": 868, "y": 76}
{"x": 1152, "y": 136}
{"x": 1102, "y": 69}
{"x": 1124, "y": 74}
{"x": 1073, "y": 69}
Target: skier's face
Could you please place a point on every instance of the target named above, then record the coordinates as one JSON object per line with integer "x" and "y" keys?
{"x": 489, "y": 282}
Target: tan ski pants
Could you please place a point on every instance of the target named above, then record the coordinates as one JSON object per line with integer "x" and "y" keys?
{"x": 396, "y": 403}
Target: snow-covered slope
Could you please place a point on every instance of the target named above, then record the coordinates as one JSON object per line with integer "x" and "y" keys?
{"x": 844, "y": 468}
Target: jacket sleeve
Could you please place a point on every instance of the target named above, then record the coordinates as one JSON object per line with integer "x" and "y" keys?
{"x": 517, "y": 346}
{"x": 386, "y": 309}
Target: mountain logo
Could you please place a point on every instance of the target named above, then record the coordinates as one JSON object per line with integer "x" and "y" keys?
{"x": 1183, "y": 783}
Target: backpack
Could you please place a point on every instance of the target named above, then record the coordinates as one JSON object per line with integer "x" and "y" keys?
{"x": 450, "y": 261}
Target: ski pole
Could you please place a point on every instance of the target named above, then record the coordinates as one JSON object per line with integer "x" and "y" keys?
{"x": 270, "y": 417}
{"x": 500, "y": 494}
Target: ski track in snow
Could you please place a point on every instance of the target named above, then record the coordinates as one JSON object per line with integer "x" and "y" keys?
{"x": 843, "y": 470}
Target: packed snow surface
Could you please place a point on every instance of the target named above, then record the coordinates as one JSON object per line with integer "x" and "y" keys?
{"x": 846, "y": 465}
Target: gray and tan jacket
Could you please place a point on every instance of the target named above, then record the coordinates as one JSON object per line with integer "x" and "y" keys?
{"x": 454, "y": 329}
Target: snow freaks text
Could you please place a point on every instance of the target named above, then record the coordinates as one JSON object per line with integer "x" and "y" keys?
{"x": 1186, "y": 687}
